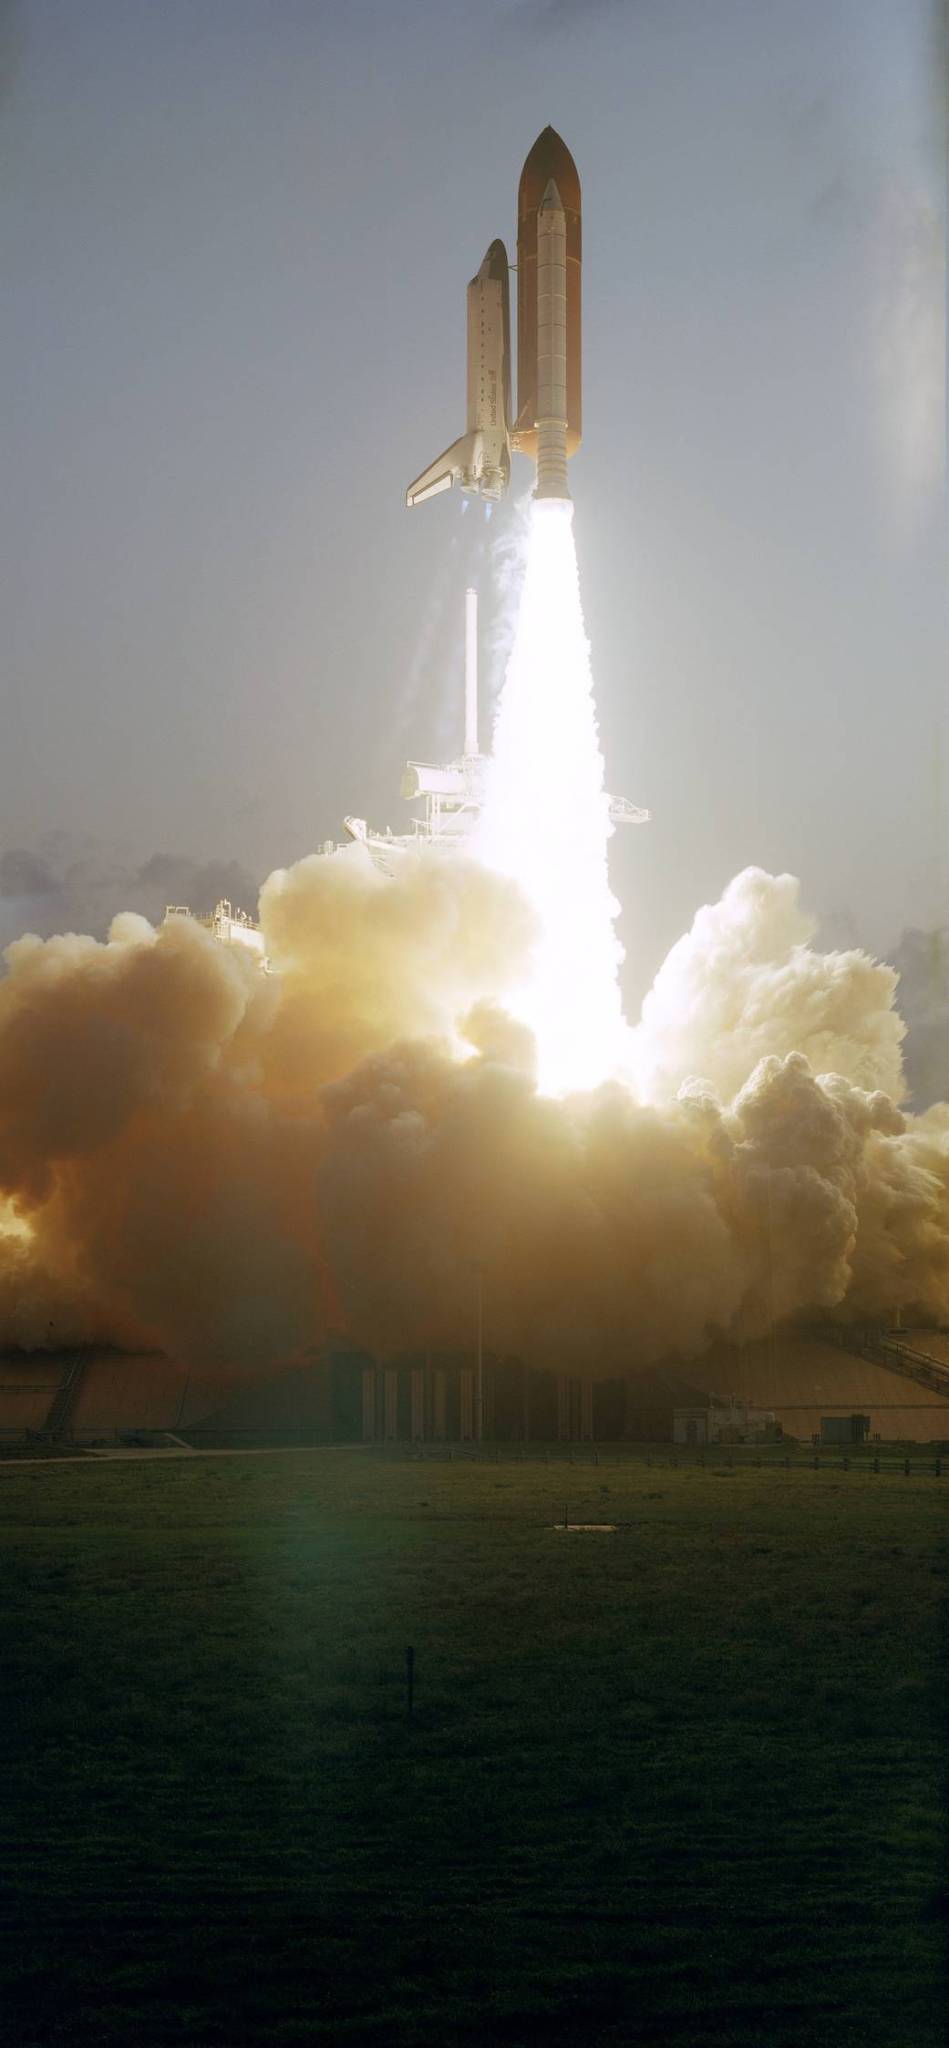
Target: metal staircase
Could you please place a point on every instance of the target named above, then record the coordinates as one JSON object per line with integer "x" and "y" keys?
{"x": 887, "y": 1347}
{"x": 58, "y": 1421}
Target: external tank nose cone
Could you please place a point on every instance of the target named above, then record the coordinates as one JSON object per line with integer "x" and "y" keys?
{"x": 549, "y": 158}
{"x": 548, "y": 203}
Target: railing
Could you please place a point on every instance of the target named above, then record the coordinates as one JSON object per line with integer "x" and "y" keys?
{"x": 64, "y": 1399}
{"x": 884, "y": 1347}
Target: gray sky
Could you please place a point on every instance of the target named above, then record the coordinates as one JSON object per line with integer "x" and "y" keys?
{"x": 235, "y": 236}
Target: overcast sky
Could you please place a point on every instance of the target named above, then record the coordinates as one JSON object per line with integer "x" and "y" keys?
{"x": 236, "y": 236}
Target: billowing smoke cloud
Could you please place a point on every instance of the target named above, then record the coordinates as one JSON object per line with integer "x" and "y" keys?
{"x": 161, "y": 1120}
{"x": 922, "y": 960}
{"x": 229, "y": 1165}
{"x": 745, "y": 982}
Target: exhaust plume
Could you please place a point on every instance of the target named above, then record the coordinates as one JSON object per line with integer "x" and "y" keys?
{"x": 546, "y": 819}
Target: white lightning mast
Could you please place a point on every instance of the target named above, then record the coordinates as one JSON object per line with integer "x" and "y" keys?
{"x": 471, "y": 671}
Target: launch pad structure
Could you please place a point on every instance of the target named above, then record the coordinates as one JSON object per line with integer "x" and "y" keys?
{"x": 452, "y": 792}
{"x": 228, "y": 925}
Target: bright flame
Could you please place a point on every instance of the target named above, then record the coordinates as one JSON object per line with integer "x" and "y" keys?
{"x": 12, "y": 1224}
{"x": 546, "y": 820}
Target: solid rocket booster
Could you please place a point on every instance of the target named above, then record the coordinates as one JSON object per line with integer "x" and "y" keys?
{"x": 551, "y": 348}
{"x": 547, "y": 423}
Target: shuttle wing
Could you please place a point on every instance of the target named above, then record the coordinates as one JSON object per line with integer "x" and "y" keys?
{"x": 456, "y": 465}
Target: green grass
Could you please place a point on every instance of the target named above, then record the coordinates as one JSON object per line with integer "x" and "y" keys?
{"x": 682, "y": 1784}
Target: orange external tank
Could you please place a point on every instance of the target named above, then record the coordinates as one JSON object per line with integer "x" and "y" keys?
{"x": 550, "y": 159}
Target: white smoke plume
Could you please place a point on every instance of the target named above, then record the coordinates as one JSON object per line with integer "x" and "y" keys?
{"x": 910, "y": 345}
{"x": 909, "y": 263}
{"x": 922, "y": 961}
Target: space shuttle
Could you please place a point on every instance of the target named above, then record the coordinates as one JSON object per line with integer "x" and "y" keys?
{"x": 481, "y": 460}
{"x": 547, "y": 425}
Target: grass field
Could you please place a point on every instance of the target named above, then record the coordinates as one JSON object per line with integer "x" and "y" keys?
{"x": 678, "y": 1784}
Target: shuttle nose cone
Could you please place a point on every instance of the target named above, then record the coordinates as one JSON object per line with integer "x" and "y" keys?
{"x": 495, "y": 262}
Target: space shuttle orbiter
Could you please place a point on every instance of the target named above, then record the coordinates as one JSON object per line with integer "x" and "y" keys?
{"x": 481, "y": 460}
{"x": 547, "y": 426}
